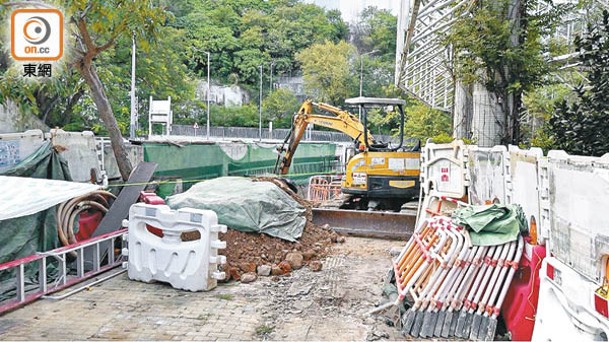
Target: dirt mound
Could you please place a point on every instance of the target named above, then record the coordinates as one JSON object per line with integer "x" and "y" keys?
{"x": 245, "y": 251}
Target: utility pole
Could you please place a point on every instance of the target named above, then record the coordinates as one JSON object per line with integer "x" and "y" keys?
{"x": 260, "y": 107}
{"x": 133, "y": 116}
{"x": 271, "y": 80}
{"x": 208, "y": 91}
{"x": 361, "y": 77}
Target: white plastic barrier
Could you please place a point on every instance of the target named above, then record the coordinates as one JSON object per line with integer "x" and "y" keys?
{"x": 572, "y": 305}
{"x": 523, "y": 184}
{"x": 189, "y": 265}
{"x": 579, "y": 196}
{"x": 487, "y": 171}
{"x": 566, "y": 309}
{"x": 443, "y": 169}
{"x": 80, "y": 153}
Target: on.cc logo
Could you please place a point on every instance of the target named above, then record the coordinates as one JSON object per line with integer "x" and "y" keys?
{"x": 36, "y": 34}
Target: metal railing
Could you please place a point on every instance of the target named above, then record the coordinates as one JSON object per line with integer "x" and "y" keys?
{"x": 254, "y": 133}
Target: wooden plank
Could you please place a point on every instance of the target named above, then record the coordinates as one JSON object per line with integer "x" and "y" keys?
{"x": 129, "y": 195}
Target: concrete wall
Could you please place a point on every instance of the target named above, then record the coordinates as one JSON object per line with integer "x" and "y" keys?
{"x": 12, "y": 120}
{"x": 15, "y": 147}
{"x": 222, "y": 95}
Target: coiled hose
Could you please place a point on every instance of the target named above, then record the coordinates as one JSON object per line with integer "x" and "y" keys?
{"x": 68, "y": 211}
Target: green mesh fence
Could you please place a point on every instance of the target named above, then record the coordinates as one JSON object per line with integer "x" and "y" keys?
{"x": 196, "y": 162}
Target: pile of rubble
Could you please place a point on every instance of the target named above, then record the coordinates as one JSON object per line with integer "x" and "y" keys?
{"x": 250, "y": 255}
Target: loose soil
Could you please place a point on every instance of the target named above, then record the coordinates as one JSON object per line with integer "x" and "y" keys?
{"x": 245, "y": 251}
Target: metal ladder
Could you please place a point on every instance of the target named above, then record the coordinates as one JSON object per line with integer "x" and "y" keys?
{"x": 68, "y": 258}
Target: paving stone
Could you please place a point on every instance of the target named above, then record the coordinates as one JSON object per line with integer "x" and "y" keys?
{"x": 126, "y": 310}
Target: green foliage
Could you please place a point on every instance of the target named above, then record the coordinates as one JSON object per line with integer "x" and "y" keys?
{"x": 423, "y": 122}
{"x": 171, "y": 40}
{"x": 582, "y": 127}
{"x": 242, "y": 35}
{"x": 279, "y": 107}
{"x": 501, "y": 47}
{"x": 327, "y": 72}
{"x": 491, "y": 50}
{"x": 540, "y": 104}
{"x": 244, "y": 116}
{"x": 376, "y": 30}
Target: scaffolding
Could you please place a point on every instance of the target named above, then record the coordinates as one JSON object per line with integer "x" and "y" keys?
{"x": 424, "y": 62}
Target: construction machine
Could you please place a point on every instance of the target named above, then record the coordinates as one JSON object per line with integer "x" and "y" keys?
{"x": 381, "y": 175}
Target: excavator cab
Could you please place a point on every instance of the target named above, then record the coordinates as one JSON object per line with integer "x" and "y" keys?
{"x": 364, "y": 104}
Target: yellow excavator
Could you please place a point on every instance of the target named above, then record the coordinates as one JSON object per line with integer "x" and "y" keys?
{"x": 381, "y": 175}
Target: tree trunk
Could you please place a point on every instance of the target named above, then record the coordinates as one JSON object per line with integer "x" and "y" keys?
{"x": 513, "y": 99}
{"x": 487, "y": 123}
{"x": 105, "y": 113}
{"x": 462, "y": 109}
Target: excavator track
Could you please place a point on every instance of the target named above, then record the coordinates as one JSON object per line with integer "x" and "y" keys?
{"x": 377, "y": 224}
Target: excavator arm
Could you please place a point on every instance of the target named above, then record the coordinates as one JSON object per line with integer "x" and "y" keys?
{"x": 343, "y": 121}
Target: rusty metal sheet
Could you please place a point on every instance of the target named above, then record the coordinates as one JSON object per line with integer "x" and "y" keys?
{"x": 377, "y": 224}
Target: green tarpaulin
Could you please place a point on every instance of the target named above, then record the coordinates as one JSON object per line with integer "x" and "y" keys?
{"x": 490, "y": 225}
{"x": 246, "y": 205}
{"x": 23, "y": 236}
{"x": 26, "y": 235}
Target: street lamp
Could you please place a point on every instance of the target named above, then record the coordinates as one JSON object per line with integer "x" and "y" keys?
{"x": 133, "y": 116}
{"x": 208, "y": 91}
{"x": 260, "y": 101}
{"x": 208, "y": 87}
{"x": 361, "y": 76}
{"x": 271, "y": 80}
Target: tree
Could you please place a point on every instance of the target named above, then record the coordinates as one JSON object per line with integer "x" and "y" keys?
{"x": 327, "y": 71}
{"x": 280, "y": 106}
{"x": 376, "y": 30}
{"x": 421, "y": 122}
{"x": 98, "y": 25}
{"x": 582, "y": 127}
{"x": 499, "y": 45}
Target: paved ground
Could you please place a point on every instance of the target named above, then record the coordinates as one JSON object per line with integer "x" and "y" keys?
{"x": 326, "y": 305}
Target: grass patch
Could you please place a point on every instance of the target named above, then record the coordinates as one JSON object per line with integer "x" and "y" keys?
{"x": 204, "y": 317}
{"x": 264, "y": 329}
{"x": 225, "y": 296}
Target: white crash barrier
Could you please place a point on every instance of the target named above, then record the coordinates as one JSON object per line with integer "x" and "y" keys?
{"x": 443, "y": 174}
{"x": 523, "y": 184}
{"x": 488, "y": 172}
{"x": 573, "y": 288}
{"x": 189, "y": 265}
{"x": 568, "y": 310}
{"x": 579, "y": 198}
{"x": 443, "y": 169}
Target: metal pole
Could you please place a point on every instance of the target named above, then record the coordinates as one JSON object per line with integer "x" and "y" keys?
{"x": 260, "y": 120}
{"x": 361, "y": 81}
{"x": 361, "y": 78}
{"x": 133, "y": 120}
{"x": 208, "y": 91}
{"x": 271, "y": 80}
{"x": 361, "y": 74}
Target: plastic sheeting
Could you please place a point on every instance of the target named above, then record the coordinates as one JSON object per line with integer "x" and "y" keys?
{"x": 492, "y": 224}
{"x": 25, "y": 196}
{"x": 27, "y": 218}
{"x": 246, "y": 205}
